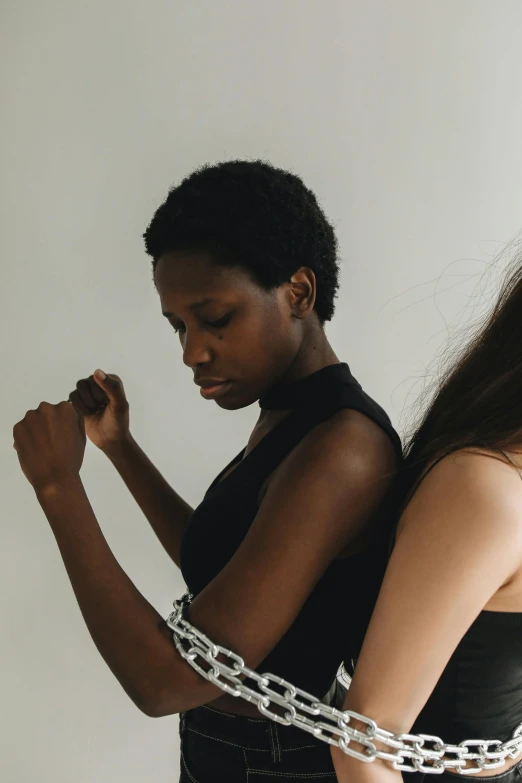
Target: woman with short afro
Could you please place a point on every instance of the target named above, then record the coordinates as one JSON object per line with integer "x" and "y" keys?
{"x": 293, "y": 530}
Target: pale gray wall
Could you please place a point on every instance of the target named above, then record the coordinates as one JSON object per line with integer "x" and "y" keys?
{"x": 406, "y": 119}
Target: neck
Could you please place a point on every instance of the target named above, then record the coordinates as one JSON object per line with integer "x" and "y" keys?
{"x": 309, "y": 380}
{"x": 314, "y": 353}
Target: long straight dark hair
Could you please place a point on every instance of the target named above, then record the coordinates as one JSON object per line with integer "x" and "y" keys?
{"x": 477, "y": 401}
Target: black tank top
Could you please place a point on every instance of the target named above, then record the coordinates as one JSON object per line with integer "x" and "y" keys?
{"x": 320, "y": 638}
{"x": 479, "y": 694}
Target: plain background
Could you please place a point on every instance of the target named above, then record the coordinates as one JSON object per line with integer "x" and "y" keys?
{"x": 405, "y": 117}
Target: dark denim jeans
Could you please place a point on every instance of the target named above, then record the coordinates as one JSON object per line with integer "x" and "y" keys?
{"x": 218, "y": 747}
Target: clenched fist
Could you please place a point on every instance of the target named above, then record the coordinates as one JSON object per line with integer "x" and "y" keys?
{"x": 101, "y": 400}
{"x": 50, "y": 443}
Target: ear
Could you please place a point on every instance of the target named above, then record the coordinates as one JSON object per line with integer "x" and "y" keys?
{"x": 302, "y": 289}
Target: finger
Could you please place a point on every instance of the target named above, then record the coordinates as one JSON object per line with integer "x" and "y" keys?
{"x": 16, "y": 430}
{"x": 79, "y": 405}
{"x": 84, "y": 390}
{"x": 113, "y": 387}
{"x": 96, "y": 391}
{"x": 20, "y": 431}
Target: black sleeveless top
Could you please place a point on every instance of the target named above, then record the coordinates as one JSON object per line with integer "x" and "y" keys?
{"x": 479, "y": 694}
{"x": 320, "y": 638}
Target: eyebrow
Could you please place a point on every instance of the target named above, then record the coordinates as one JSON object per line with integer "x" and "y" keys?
{"x": 194, "y": 306}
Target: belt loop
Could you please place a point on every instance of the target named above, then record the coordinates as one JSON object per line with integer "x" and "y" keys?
{"x": 275, "y": 742}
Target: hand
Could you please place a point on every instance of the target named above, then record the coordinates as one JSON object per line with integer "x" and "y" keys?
{"x": 101, "y": 400}
{"x": 342, "y": 765}
{"x": 351, "y": 770}
{"x": 50, "y": 443}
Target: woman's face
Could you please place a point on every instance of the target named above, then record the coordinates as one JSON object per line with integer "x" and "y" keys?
{"x": 237, "y": 337}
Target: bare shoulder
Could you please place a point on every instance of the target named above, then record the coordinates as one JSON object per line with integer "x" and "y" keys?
{"x": 350, "y": 432}
{"x": 468, "y": 487}
{"x": 470, "y": 467}
{"x": 349, "y": 440}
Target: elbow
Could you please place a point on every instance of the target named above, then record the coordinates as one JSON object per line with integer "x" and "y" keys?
{"x": 151, "y": 709}
{"x": 156, "y": 704}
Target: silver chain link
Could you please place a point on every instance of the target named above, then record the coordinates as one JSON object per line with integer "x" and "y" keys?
{"x": 405, "y": 752}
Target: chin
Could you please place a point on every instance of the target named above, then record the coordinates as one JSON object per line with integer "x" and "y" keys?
{"x": 234, "y": 405}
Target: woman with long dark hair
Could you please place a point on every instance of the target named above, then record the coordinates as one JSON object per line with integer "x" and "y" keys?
{"x": 443, "y": 652}
{"x": 245, "y": 264}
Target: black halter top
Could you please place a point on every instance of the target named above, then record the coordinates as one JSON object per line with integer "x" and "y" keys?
{"x": 320, "y": 639}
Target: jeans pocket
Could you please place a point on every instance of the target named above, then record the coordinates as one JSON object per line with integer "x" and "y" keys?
{"x": 206, "y": 759}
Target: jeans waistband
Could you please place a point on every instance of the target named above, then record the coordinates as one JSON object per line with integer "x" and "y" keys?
{"x": 253, "y": 733}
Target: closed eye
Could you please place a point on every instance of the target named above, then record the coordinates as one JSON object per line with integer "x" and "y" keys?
{"x": 220, "y": 323}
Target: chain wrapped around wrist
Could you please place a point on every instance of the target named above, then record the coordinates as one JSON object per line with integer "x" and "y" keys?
{"x": 405, "y": 752}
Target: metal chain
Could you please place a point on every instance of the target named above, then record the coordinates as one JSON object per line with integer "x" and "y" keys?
{"x": 405, "y": 752}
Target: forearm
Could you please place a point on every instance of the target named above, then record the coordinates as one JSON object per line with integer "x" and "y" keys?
{"x": 165, "y": 510}
{"x": 130, "y": 635}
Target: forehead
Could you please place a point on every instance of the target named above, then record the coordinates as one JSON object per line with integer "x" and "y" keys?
{"x": 184, "y": 276}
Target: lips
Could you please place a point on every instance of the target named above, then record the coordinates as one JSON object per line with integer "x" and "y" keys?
{"x": 211, "y": 389}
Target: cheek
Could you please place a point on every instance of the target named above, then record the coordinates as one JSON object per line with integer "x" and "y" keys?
{"x": 262, "y": 331}
{"x": 270, "y": 342}
{"x": 264, "y": 334}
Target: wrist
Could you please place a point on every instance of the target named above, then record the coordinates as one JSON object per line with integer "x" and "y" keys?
{"x": 351, "y": 770}
{"x": 117, "y": 449}
{"x": 52, "y": 488}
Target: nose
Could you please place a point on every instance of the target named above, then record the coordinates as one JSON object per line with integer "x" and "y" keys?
{"x": 195, "y": 349}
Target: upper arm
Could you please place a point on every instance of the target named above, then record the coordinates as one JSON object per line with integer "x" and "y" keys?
{"x": 319, "y": 499}
{"x": 460, "y": 541}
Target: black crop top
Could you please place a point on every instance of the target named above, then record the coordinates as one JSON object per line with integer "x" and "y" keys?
{"x": 479, "y": 694}
{"x": 331, "y": 625}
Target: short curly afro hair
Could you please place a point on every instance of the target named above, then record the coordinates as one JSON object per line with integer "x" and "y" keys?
{"x": 253, "y": 215}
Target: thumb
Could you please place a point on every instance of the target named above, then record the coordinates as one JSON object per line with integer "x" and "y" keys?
{"x": 113, "y": 388}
